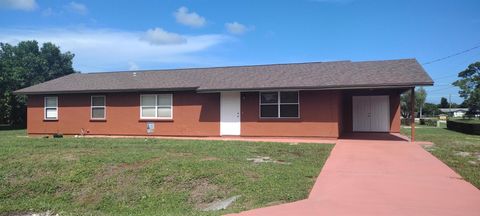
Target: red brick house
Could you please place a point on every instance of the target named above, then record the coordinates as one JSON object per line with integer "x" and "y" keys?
{"x": 320, "y": 99}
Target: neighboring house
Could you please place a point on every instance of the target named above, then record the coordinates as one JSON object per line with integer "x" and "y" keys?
{"x": 455, "y": 112}
{"x": 321, "y": 99}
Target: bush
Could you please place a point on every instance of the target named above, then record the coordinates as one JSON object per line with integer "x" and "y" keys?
{"x": 464, "y": 126}
{"x": 405, "y": 121}
{"x": 10, "y": 127}
{"x": 428, "y": 122}
{"x": 5, "y": 127}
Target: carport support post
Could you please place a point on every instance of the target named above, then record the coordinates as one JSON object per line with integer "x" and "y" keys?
{"x": 412, "y": 114}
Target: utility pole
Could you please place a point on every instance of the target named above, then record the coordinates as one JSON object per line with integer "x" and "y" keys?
{"x": 450, "y": 101}
{"x": 412, "y": 116}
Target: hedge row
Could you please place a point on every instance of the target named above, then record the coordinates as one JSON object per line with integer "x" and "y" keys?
{"x": 464, "y": 127}
{"x": 5, "y": 127}
{"x": 423, "y": 121}
{"x": 428, "y": 122}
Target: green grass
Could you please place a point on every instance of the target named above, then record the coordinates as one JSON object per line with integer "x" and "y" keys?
{"x": 459, "y": 151}
{"x": 102, "y": 176}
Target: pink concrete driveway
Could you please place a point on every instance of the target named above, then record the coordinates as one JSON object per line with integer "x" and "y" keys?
{"x": 383, "y": 177}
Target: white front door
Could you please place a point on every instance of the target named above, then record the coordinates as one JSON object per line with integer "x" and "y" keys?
{"x": 230, "y": 113}
{"x": 371, "y": 113}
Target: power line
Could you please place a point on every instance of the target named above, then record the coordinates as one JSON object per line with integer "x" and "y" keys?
{"x": 436, "y": 90}
{"x": 450, "y": 56}
{"x": 443, "y": 77}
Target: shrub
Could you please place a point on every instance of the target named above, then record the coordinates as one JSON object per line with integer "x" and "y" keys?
{"x": 428, "y": 122}
{"x": 405, "y": 121}
{"x": 464, "y": 126}
{"x": 422, "y": 121}
{"x": 5, "y": 127}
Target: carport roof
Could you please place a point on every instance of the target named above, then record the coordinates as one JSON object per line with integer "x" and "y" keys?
{"x": 312, "y": 75}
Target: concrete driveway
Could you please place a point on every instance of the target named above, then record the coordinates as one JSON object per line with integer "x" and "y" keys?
{"x": 381, "y": 175}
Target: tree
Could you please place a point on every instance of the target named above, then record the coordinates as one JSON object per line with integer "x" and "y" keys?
{"x": 431, "y": 109}
{"x": 463, "y": 104}
{"x": 469, "y": 84}
{"x": 420, "y": 96}
{"x": 443, "y": 103}
{"x": 23, "y": 65}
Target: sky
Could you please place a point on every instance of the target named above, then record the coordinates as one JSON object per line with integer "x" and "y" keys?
{"x": 140, "y": 35}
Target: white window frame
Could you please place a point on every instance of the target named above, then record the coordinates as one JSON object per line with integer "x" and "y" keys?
{"x": 45, "y": 107}
{"x": 279, "y": 103}
{"x": 104, "y": 107}
{"x": 157, "y": 106}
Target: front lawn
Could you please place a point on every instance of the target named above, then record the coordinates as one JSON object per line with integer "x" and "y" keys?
{"x": 103, "y": 176}
{"x": 459, "y": 151}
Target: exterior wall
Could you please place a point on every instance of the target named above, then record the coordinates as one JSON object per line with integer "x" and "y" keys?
{"x": 194, "y": 114}
{"x": 319, "y": 116}
{"x": 394, "y": 98}
{"x": 322, "y": 114}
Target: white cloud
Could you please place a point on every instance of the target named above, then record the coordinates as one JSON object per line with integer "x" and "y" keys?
{"x": 77, "y": 8}
{"x": 106, "y": 49}
{"x": 26, "y": 5}
{"x": 237, "y": 28}
{"x": 158, "y": 36}
{"x": 190, "y": 19}
{"x": 133, "y": 66}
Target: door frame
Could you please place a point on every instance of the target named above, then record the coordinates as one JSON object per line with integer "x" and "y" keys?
{"x": 226, "y": 124}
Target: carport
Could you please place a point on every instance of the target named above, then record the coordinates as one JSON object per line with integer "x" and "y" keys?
{"x": 374, "y": 110}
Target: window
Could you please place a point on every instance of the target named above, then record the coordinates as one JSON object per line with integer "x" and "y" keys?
{"x": 51, "y": 108}
{"x": 156, "y": 106}
{"x": 98, "y": 107}
{"x": 279, "y": 104}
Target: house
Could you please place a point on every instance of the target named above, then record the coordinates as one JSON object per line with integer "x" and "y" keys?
{"x": 318, "y": 99}
{"x": 455, "y": 112}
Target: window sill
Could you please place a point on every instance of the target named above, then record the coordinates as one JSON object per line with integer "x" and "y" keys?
{"x": 50, "y": 120}
{"x": 279, "y": 119}
{"x": 98, "y": 120}
{"x": 155, "y": 120}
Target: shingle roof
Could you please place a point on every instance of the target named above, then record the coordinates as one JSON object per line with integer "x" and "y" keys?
{"x": 314, "y": 75}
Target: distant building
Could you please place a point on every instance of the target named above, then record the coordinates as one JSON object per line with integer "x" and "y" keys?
{"x": 455, "y": 112}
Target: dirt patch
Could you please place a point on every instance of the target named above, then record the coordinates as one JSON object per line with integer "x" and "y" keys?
{"x": 88, "y": 195}
{"x": 47, "y": 213}
{"x": 209, "y": 158}
{"x": 260, "y": 159}
{"x": 275, "y": 203}
{"x": 298, "y": 154}
{"x": 70, "y": 157}
{"x": 252, "y": 175}
{"x": 180, "y": 154}
{"x": 122, "y": 176}
{"x": 463, "y": 154}
{"x": 169, "y": 178}
{"x": 202, "y": 193}
{"x": 112, "y": 170}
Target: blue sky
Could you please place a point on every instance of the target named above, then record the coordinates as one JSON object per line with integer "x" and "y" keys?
{"x": 127, "y": 35}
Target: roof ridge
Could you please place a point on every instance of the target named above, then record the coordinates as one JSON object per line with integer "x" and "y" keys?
{"x": 216, "y": 67}
{"x": 385, "y": 60}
